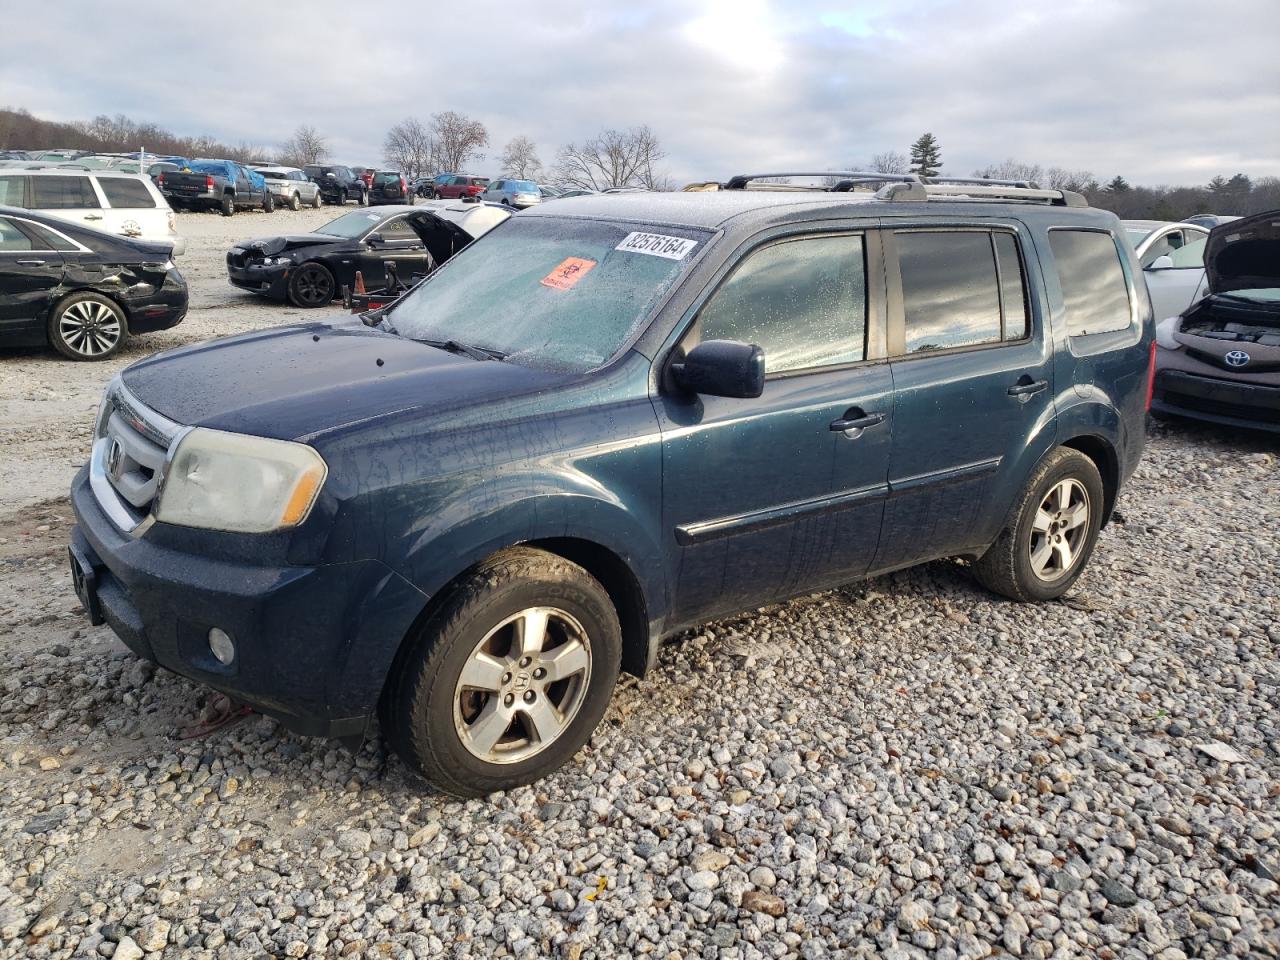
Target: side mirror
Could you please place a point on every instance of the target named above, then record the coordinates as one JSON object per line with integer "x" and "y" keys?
{"x": 1164, "y": 262}
{"x": 373, "y": 239}
{"x": 722, "y": 368}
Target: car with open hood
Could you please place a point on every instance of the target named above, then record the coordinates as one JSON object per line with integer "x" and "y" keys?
{"x": 309, "y": 270}
{"x": 609, "y": 419}
{"x": 1220, "y": 360}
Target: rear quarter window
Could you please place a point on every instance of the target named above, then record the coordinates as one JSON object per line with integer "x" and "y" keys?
{"x": 1095, "y": 294}
{"x": 11, "y": 192}
{"x": 130, "y": 194}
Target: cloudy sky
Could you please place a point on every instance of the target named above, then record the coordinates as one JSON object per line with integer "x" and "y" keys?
{"x": 1160, "y": 92}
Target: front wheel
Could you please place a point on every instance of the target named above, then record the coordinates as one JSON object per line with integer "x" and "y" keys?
{"x": 342, "y": 199}
{"x": 509, "y": 678}
{"x": 311, "y": 285}
{"x": 1050, "y": 533}
{"x": 88, "y": 326}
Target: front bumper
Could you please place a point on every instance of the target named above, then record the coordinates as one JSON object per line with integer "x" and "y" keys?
{"x": 270, "y": 281}
{"x": 1217, "y": 400}
{"x": 305, "y": 635}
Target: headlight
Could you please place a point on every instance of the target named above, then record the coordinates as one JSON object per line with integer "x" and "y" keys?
{"x": 275, "y": 261}
{"x": 238, "y": 483}
{"x": 1164, "y": 333}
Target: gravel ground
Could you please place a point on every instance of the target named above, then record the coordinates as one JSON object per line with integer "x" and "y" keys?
{"x": 904, "y": 768}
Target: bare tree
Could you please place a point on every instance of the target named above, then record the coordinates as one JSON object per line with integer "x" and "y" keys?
{"x": 408, "y": 147}
{"x": 1056, "y": 178}
{"x": 306, "y": 146}
{"x": 891, "y": 161}
{"x": 1011, "y": 170}
{"x": 457, "y": 139}
{"x": 520, "y": 159}
{"x": 613, "y": 158}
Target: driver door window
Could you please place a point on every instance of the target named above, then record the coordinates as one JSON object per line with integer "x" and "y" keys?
{"x": 399, "y": 233}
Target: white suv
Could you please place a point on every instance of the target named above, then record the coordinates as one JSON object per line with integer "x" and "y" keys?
{"x": 121, "y": 203}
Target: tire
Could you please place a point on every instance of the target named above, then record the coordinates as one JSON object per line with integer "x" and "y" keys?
{"x": 269, "y": 203}
{"x": 437, "y": 724}
{"x": 312, "y": 285}
{"x": 317, "y": 201}
{"x": 295, "y": 201}
{"x": 227, "y": 205}
{"x": 88, "y": 326}
{"x": 364, "y": 198}
{"x": 1030, "y": 560}
{"x": 342, "y": 198}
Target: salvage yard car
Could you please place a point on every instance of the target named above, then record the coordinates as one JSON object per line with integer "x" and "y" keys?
{"x": 608, "y": 420}
{"x": 290, "y": 187}
{"x": 80, "y": 290}
{"x": 1172, "y": 259}
{"x": 310, "y": 270}
{"x": 338, "y": 184}
{"x": 222, "y": 185}
{"x": 1220, "y": 360}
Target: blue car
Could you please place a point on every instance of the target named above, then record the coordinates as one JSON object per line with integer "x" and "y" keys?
{"x": 609, "y": 419}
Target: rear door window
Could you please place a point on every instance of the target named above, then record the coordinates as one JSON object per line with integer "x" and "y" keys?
{"x": 12, "y": 240}
{"x": 950, "y": 289}
{"x": 803, "y": 301}
{"x": 62, "y": 193}
{"x": 124, "y": 193}
{"x": 1095, "y": 294}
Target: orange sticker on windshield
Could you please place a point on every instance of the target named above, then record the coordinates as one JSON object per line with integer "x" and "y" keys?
{"x": 567, "y": 273}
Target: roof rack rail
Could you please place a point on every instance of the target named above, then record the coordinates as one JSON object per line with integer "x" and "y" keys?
{"x": 982, "y": 181}
{"x": 740, "y": 181}
{"x": 979, "y": 191}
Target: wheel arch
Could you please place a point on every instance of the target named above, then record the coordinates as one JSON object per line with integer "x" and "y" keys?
{"x": 1104, "y": 457}
{"x": 56, "y": 303}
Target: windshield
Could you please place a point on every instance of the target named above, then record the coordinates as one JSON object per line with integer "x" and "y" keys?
{"x": 352, "y": 225}
{"x": 554, "y": 293}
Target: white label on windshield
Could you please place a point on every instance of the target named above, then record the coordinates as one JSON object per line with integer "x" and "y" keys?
{"x": 657, "y": 245}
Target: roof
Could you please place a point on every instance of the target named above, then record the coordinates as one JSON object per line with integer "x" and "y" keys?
{"x": 715, "y": 209}
{"x": 71, "y": 170}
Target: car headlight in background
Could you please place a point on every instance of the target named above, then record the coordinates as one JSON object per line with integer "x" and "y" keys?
{"x": 1164, "y": 333}
{"x": 275, "y": 261}
{"x": 238, "y": 483}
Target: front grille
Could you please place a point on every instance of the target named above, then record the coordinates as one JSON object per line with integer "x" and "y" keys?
{"x": 129, "y": 453}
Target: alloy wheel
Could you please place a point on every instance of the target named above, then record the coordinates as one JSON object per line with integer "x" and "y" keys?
{"x": 90, "y": 328}
{"x": 523, "y": 685}
{"x": 313, "y": 287}
{"x": 1059, "y": 530}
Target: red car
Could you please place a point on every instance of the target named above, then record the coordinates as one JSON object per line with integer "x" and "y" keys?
{"x": 365, "y": 174}
{"x": 450, "y": 186}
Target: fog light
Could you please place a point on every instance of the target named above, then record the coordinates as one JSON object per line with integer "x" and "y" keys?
{"x": 222, "y": 646}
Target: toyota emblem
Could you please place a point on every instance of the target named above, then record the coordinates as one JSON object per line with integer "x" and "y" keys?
{"x": 1237, "y": 358}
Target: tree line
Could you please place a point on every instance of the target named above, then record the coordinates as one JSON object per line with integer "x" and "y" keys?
{"x": 450, "y": 141}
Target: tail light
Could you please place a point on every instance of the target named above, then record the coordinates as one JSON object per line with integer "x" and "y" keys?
{"x": 208, "y": 183}
{"x": 160, "y": 181}
{"x": 1151, "y": 375}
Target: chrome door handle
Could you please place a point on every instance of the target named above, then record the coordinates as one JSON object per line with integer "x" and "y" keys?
{"x": 852, "y": 427}
{"x": 92, "y": 216}
{"x": 1028, "y": 388}
{"x": 30, "y": 263}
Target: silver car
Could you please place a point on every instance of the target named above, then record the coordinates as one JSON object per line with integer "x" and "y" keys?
{"x": 513, "y": 193}
{"x": 1172, "y": 258}
{"x": 291, "y": 187}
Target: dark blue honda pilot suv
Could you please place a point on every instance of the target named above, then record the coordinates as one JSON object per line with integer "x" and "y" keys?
{"x": 609, "y": 419}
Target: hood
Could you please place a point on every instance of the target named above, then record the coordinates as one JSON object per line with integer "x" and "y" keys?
{"x": 271, "y": 246}
{"x": 1244, "y": 254}
{"x": 300, "y": 381}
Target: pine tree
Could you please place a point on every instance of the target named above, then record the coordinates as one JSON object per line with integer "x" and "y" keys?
{"x": 1118, "y": 185}
{"x": 926, "y": 158}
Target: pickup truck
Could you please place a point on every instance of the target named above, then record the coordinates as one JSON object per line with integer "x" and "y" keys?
{"x": 216, "y": 185}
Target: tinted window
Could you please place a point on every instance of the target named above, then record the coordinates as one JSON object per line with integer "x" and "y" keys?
{"x": 47, "y": 239}
{"x": 1094, "y": 293}
{"x": 126, "y": 193}
{"x": 62, "y": 193}
{"x": 803, "y": 301}
{"x": 11, "y": 192}
{"x": 1013, "y": 287}
{"x": 11, "y": 238}
{"x": 950, "y": 296}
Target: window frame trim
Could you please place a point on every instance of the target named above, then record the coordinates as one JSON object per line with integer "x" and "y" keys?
{"x": 897, "y": 317}
{"x": 79, "y": 247}
{"x": 873, "y": 323}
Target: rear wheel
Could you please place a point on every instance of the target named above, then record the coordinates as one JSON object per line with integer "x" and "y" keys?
{"x": 1050, "y": 533}
{"x": 311, "y": 285}
{"x": 295, "y": 201}
{"x": 317, "y": 200}
{"x": 227, "y": 205}
{"x": 88, "y": 326}
{"x": 509, "y": 678}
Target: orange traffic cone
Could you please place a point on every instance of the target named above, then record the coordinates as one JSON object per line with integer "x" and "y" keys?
{"x": 360, "y": 290}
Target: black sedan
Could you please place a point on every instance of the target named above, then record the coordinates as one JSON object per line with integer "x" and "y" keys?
{"x": 311, "y": 269}
{"x": 82, "y": 290}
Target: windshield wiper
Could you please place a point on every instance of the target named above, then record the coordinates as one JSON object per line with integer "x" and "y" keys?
{"x": 467, "y": 349}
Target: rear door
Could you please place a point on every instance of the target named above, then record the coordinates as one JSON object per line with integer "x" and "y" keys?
{"x": 70, "y": 196}
{"x": 30, "y": 273}
{"x": 973, "y": 385}
{"x": 772, "y": 496}
{"x": 130, "y": 208}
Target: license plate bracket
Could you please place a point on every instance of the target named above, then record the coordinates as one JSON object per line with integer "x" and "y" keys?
{"x": 85, "y": 582}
